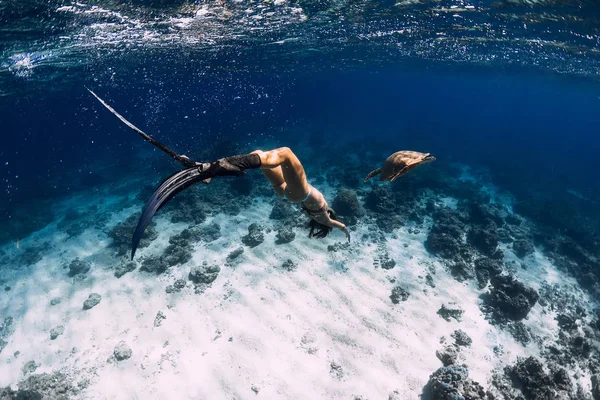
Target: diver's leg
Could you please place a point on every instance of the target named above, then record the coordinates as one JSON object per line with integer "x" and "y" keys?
{"x": 275, "y": 176}
{"x": 292, "y": 170}
{"x": 229, "y": 166}
{"x": 296, "y": 187}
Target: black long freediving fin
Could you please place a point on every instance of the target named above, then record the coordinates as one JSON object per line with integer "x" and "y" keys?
{"x": 186, "y": 162}
{"x": 169, "y": 187}
{"x": 165, "y": 192}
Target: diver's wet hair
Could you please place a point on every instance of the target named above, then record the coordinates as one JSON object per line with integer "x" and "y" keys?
{"x": 318, "y": 230}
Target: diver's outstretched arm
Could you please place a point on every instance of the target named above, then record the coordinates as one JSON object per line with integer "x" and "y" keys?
{"x": 325, "y": 219}
{"x": 341, "y": 227}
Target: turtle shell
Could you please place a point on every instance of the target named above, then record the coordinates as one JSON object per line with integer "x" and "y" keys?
{"x": 402, "y": 162}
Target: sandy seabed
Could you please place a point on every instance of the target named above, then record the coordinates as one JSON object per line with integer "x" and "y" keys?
{"x": 325, "y": 330}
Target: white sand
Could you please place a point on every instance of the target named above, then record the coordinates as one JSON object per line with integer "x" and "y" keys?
{"x": 286, "y": 328}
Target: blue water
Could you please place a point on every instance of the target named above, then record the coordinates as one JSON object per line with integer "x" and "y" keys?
{"x": 508, "y": 90}
{"x": 528, "y": 129}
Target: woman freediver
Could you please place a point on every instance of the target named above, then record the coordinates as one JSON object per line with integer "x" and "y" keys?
{"x": 280, "y": 166}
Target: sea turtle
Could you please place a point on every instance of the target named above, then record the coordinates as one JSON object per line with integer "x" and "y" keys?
{"x": 399, "y": 164}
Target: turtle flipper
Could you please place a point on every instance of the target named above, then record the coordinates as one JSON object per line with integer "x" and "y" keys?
{"x": 403, "y": 171}
{"x": 373, "y": 173}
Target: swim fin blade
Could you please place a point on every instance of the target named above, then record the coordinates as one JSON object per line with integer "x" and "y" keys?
{"x": 165, "y": 192}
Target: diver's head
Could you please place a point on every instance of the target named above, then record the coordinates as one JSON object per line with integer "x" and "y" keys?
{"x": 319, "y": 230}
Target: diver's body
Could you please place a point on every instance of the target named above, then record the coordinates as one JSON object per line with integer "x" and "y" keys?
{"x": 286, "y": 174}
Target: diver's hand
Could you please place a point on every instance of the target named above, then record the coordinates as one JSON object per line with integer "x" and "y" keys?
{"x": 336, "y": 224}
{"x": 345, "y": 230}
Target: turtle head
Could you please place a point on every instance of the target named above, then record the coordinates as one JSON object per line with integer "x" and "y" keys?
{"x": 428, "y": 158}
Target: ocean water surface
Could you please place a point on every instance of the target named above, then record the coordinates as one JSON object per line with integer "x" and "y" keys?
{"x": 475, "y": 276}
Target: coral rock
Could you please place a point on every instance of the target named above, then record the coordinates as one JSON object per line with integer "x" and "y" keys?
{"x": 399, "y": 294}
{"x": 122, "y": 351}
{"x": 204, "y": 273}
{"x": 92, "y": 301}
{"x": 254, "y": 236}
{"x": 453, "y": 383}
{"x": 346, "y": 203}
